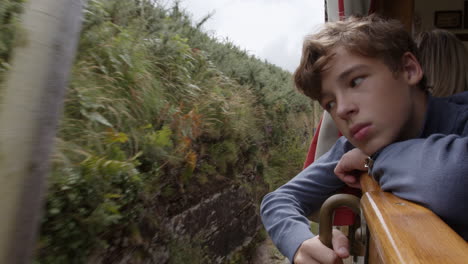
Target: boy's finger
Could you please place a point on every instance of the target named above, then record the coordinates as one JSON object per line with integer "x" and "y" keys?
{"x": 356, "y": 184}
{"x": 350, "y": 179}
{"x": 340, "y": 171}
{"x": 313, "y": 251}
{"x": 340, "y": 244}
{"x": 345, "y": 165}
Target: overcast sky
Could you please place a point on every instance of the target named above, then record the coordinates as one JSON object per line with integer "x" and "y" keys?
{"x": 269, "y": 29}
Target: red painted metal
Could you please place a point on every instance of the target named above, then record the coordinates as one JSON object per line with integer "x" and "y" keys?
{"x": 341, "y": 10}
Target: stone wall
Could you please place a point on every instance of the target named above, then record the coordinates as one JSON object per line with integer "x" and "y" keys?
{"x": 221, "y": 224}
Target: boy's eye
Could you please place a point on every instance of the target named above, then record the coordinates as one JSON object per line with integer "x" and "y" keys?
{"x": 329, "y": 105}
{"x": 356, "y": 81}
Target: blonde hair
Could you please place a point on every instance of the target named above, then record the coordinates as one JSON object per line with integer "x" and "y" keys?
{"x": 444, "y": 61}
{"x": 370, "y": 36}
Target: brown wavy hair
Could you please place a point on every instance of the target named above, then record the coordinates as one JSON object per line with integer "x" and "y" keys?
{"x": 370, "y": 36}
{"x": 444, "y": 61}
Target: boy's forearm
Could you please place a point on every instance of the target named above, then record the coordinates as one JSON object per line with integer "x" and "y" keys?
{"x": 422, "y": 158}
{"x": 284, "y": 212}
{"x": 284, "y": 218}
{"x": 290, "y": 231}
{"x": 430, "y": 171}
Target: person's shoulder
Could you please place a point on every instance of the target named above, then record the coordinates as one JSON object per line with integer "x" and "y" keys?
{"x": 446, "y": 115}
{"x": 459, "y": 98}
{"x": 459, "y": 102}
{"x": 453, "y": 102}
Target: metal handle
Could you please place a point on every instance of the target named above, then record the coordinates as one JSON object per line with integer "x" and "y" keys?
{"x": 326, "y": 214}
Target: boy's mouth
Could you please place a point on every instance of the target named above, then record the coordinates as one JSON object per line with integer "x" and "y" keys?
{"x": 360, "y": 131}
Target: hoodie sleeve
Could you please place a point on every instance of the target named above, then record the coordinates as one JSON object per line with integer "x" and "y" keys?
{"x": 284, "y": 212}
{"x": 431, "y": 171}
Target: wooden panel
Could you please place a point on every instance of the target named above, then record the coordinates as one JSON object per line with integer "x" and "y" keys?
{"x": 374, "y": 255}
{"x": 404, "y": 232}
{"x": 368, "y": 184}
{"x": 398, "y": 9}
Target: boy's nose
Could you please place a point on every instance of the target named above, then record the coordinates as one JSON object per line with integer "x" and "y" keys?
{"x": 346, "y": 108}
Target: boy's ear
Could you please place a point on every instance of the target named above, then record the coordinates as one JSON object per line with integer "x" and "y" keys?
{"x": 412, "y": 70}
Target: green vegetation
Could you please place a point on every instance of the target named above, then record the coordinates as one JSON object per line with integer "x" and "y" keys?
{"x": 10, "y": 11}
{"x": 158, "y": 115}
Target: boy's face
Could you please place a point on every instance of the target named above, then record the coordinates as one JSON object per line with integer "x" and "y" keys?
{"x": 371, "y": 105}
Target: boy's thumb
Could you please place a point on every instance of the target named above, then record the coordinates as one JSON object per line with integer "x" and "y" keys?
{"x": 342, "y": 252}
{"x": 340, "y": 244}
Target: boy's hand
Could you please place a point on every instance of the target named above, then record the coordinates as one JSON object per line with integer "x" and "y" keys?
{"x": 350, "y": 167}
{"x": 312, "y": 251}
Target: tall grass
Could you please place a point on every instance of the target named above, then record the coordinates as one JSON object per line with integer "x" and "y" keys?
{"x": 10, "y": 11}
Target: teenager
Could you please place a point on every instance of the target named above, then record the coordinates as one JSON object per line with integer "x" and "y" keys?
{"x": 365, "y": 73}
